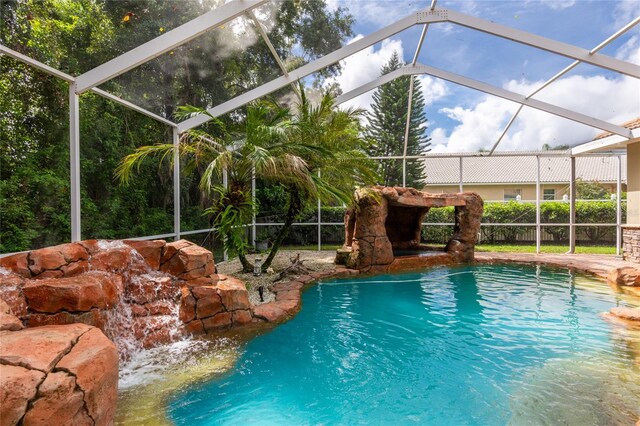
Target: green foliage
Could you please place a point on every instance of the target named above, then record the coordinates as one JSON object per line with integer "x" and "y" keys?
{"x": 511, "y": 212}
{"x": 591, "y": 191}
{"x": 76, "y": 36}
{"x": 232, "y": 209}
{"x": 336, "y": 165}
{"x": 551, "y": 212}
{"x": 438, "y": 234}
{"x": 387, "y": 126}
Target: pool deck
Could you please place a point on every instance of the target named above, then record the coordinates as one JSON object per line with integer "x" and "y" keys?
{"x": 611, "y": 268}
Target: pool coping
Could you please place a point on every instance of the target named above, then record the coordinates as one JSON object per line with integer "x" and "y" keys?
{"x": 288, "y": 300}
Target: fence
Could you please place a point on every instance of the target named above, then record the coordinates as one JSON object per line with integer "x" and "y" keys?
{"x": 328, "y": 229}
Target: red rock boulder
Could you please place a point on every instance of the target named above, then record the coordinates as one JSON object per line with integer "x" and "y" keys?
{"x": 74, "y": 294}
{"x": 17, "y": 263}
{"x": 186, "y": 260}
{"x": 151, "y": 251}
{"x": 11, "y": 292}
{"x": 233, "y": 293}
{"x": 58, "y": 375}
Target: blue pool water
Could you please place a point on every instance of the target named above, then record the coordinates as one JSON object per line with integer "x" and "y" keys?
{"x": 453, "y": 346}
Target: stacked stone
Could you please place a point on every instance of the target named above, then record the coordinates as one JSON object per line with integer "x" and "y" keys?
{"x": 213, "y": 304}
{"x": 631, "y": 243}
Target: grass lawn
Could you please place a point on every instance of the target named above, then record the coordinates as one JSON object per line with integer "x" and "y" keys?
{"x": 546, "y": 248}
{"x": 499, "y": 247}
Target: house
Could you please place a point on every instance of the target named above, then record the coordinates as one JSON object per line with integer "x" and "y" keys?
{"x": 506, "y": 175}
{"x": 609, "y": 142}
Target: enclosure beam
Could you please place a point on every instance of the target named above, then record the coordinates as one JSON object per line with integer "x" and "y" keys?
{"x": 406, "y": 131}
{"x": 404, "y": 172}
{"x": 266, "y": 39}
{"x": 176, "y": 182}
{"x": 66, "y": 77}
{"x": 319, "y": 221}
{"x": 225, "y": 184}
{"x": 506, "y": 129}
{"x": 74, "y": 166}
{"x": 572, "y": 206}
{"x": 305, "y": 70}
{"x": 515, "y": 97}
{"x": 538, "y": 236}
{"x": 36, "y": 64}
{"x": 461, "y": 182}
{"x": 561, "y": 73}
{"x": 425, "y": 28}
{"x": 489, "y": 89}
{"x": 383, "y": 79}
{"x": 619, "y": 207}
{"x": 253, "y": 201}
{"x": 543, "y": 43}
{"x": 164, "y": 43}
{"x": 132, "y": 106}
{"x": 426, "y": 16}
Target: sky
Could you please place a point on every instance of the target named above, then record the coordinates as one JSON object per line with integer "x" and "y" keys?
{"x": 466, "y": 120}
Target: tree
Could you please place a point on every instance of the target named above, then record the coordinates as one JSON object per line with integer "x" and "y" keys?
{"x": 547, "y": 147}
{"x": 387, "y": 126}
{"x": 256, "y": 143}
{"x": 75, "y": 36}
{"x": 586, "y": 190}
{"x": 337, "y": 165}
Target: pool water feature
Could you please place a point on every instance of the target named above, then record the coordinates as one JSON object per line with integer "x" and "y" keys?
{"x": 456, "y": 345}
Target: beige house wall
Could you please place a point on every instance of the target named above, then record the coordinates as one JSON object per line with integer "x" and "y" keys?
{"x": 496, "y": 192}
{"x": 633, "y": 183}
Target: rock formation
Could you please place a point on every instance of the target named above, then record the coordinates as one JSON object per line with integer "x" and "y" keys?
{"x": 388, "y": 218}
{"x": 140, "y": 290}
{"x": 58, "y": 374}
{"x": 74, "y": 297}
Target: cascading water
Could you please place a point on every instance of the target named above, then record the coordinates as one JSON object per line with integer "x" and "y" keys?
{"x": 147, "y": 312}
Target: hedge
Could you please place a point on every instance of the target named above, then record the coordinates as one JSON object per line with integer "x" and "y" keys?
{"x": 495, "y": 213}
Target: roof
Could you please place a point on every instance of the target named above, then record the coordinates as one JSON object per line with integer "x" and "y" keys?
{"x": 633, "y": 124}
{"x": 520, "y": 169}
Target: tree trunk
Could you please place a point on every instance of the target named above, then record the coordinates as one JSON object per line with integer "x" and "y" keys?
{"x": 295, "y": 207}
{"x": 246, "y": 265}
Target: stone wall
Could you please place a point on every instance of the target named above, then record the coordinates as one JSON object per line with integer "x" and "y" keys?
{"x": 631, "y": 243}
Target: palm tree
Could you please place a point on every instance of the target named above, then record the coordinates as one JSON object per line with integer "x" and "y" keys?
{"x": 337, "y": 164}
{"x": 317, "y": 152}
{"x": 257, "y": 143}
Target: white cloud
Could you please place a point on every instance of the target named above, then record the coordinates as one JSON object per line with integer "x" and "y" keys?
{"x": 630, "y": 50}
{"x": 433, "y": 89}
{"x": 625, "y": 11}
{"x": 614, "y": 100}
{"x": 479, "y": 126}
{"x": 559, "y": 4}
{"x": 365, "y": 66}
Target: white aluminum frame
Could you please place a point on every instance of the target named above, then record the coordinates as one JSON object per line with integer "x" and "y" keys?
{"x": 231, "y": 10}
{"x": 489, "y": 89}
{"x": 560, "y": 74}
{"x": 426, "y": 16}
{"x": 164, "y": 43}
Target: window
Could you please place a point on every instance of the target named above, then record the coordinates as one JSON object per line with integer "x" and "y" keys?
{"x": 512, "y": 194}
{"x": 549, "y": 194}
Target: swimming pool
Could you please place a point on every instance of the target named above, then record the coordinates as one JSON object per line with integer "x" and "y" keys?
{"x": 457, "y": 345}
